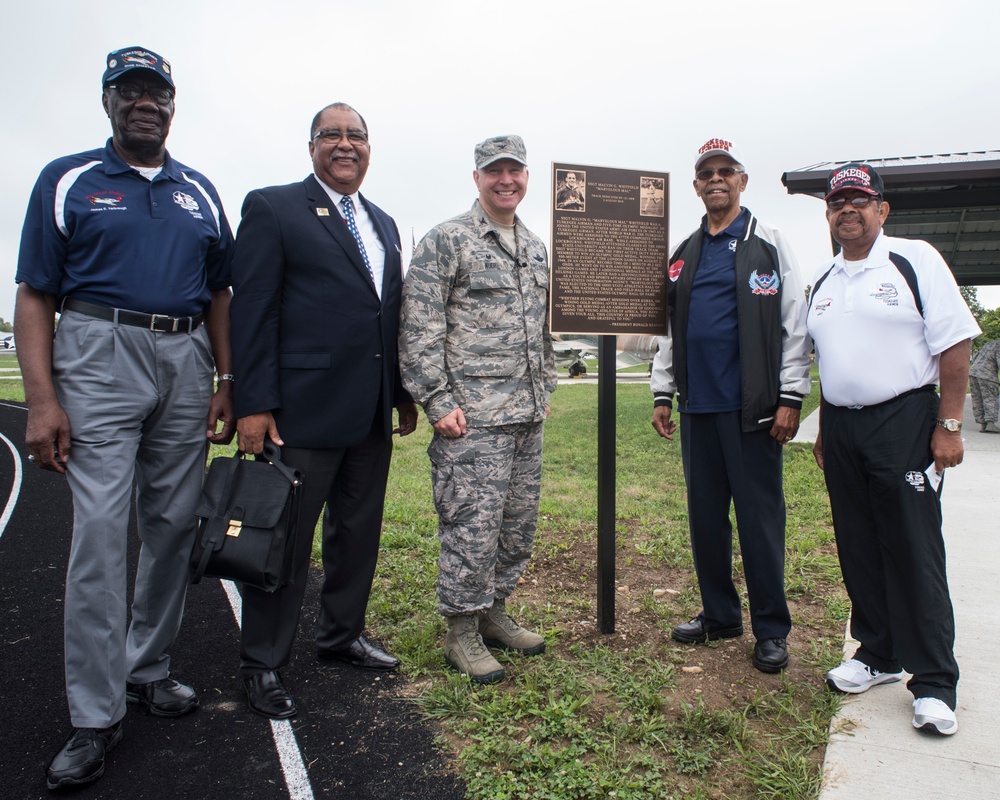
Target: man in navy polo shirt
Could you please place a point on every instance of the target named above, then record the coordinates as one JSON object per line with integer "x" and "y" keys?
{"x": 737, "y": 356}
{"x": 133, "y": 249}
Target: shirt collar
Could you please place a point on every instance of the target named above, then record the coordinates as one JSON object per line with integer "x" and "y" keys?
{"x": 735, "y": 228}
{"x": 336, "y": 196}
{"x": 878, "y": 256}
{"x": 115, "y": 165}
{"x": 482, "y": 224}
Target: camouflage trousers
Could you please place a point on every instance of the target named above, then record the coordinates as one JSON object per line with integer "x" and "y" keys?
{"x": 486, "y": 489}
{"x": 985, "y": 404}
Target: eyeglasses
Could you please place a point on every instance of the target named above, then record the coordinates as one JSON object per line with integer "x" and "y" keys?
{"x": 723, "y": 172}
{"x": 130, "y": 92}
{"x": 334, "y": 136}
{"x": 858, "y": 201}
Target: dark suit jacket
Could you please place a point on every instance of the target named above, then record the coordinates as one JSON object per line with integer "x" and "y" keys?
{"x": 311, "y": 342}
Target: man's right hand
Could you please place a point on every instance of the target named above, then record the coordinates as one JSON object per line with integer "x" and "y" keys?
{"x": 662, "y": 422}
{"x": 47, "y": 435}
{"x": 451, "y": 426}
{"x": 251, "y": 430}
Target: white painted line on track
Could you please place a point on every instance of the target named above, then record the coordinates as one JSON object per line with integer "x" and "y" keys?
{"x": 15, "y": 488}
{"x": 296, "y": 776}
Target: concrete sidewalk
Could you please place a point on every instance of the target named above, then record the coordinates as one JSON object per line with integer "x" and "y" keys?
{"x": 874, "y": 751}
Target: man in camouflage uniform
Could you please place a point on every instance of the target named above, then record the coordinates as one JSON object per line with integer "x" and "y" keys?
{"x": 476, "y": 353}
{"x": 983, "y": 386}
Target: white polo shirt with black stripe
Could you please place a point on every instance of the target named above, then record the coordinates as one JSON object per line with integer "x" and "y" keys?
{"x": 880, "y": 331}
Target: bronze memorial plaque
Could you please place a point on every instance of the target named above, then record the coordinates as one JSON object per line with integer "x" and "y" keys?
{"x": 609, "y": 250}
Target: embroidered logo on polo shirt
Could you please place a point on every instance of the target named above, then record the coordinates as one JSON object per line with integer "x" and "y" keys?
{"x": 822, "y": 306}
{"x": 917, "y": 480}
{"x": 732, "y": 245}
{"x": 106, "y": 200}
{"x": 188, "y": 203}
{"x": 764, "y": 284}
{"x": 887, "y": 293}
{"x": 674, "y": 270}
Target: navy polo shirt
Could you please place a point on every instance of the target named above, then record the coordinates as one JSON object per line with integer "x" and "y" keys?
{"x": 713, "y": 342}
{"x": 97, "y": 230}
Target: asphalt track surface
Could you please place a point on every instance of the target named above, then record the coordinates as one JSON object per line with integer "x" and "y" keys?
{"x": 354, "y": 736}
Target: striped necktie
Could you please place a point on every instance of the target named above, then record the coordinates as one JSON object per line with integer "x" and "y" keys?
{"x": 353, "y": 226}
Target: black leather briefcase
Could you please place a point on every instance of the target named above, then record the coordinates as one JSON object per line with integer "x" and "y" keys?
{"x": 246, "y": 520}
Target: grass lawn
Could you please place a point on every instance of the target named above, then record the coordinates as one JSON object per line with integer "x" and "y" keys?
{"x": 631, "y": 714}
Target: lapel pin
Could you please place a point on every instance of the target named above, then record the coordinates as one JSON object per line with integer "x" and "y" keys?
{"x": 322, "y": 212}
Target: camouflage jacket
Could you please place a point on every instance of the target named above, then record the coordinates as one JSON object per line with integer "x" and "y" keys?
{"x": 474, "y": 332}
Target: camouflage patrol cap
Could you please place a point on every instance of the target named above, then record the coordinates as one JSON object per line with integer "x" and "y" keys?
{"x": 499, "y": 147}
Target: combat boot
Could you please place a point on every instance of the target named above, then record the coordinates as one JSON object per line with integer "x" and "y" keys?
{"x": 464, "y": 651}
{"x": 499, "y": 629}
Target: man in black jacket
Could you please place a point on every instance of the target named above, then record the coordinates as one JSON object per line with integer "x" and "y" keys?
{"x": 737, "y": 356}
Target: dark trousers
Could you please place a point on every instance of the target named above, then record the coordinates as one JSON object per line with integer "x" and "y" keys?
{"x": 351, "y": 481}
{"x": 888, "y": 526}
{"x": 724, "y": 465}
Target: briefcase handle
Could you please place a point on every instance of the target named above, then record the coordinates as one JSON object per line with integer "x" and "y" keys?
{"x": 272, "y": 455}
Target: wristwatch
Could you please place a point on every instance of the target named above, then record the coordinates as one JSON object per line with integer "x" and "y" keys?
{"x": 952, "y": 425}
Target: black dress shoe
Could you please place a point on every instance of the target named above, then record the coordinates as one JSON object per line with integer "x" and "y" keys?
{"x": 361, "y": 653}
{"x": 268, "y": 696}
{"x": 695, "y": 632}
{"x": 163, "y": 698}
{"x": 770, "y": 655}
{"x": 81, "y": 759}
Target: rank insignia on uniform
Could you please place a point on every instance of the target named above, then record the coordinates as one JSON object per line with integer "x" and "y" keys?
{"x": 322, "y": 212}
{"x": 764, "y": 284}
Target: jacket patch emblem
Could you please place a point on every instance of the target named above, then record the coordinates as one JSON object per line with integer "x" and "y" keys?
{"x": 887, "y": 293}
{"x": 674, "y": 270}
{"x": 764, "y": 284}
{"x": 916, "y": 480}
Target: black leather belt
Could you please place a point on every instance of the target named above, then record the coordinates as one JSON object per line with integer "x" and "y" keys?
{"x": 160, "y": 323}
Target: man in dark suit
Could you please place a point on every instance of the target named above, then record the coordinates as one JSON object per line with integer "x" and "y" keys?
{"x": 317, "y": 278}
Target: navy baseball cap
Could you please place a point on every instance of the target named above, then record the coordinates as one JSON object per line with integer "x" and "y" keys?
{"x": 129, "y": 58}
{"x": 855, "y": 175}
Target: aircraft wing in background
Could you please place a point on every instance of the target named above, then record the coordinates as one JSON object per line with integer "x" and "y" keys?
{"x": 631, "y": 351}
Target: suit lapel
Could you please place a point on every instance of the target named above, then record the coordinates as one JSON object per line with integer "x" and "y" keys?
{"x": 322, "y": 207}
{"x": 386, "y": 235}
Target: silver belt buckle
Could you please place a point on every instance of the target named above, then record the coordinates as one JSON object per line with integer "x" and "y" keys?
{"x": 172, "y": 320}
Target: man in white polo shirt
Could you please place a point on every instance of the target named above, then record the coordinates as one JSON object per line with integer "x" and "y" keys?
{"x": 889, "y": 325}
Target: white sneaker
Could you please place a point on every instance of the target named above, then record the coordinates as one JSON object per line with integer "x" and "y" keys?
{"x": 855, "y": 677}
{"x": 934, "y": 716}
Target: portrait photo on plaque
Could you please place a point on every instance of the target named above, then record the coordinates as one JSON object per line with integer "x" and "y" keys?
{"x": 651, "y": 197}
{"x": 571, "y": 190}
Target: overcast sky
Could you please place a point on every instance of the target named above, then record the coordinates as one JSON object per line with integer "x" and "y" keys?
{"x": 635, "y": 85}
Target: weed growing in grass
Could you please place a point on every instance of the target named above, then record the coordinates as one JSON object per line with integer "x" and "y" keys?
{"x": 701, "y": 734}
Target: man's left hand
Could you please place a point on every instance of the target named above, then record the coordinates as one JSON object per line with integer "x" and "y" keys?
{"x": 786, "y": 424}
{"x": 220, "y": 409}
{"x": 407, "y": 419}
{"x": 947, "y": 448}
